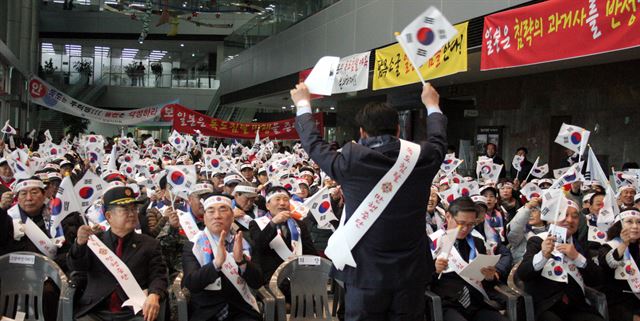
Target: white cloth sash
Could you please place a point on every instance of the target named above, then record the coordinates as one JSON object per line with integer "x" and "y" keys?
{"x": 45, "y": 245}
{"x": 232, "y": 273}
{"x": 278, "y": 244}
{"x": 120, "y": 271}
{"x": 456, "y": 263}
{"x": 244, "y": 220}
{"x": 348, "y": 234}
{"x": 188, "y": 224}
{"x": 559, "y": 269}
{"x": 627, "y": 269}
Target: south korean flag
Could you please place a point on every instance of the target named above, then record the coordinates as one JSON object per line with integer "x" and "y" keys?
{"x": 181, "y": 179}
{"x": 425, "y": 35}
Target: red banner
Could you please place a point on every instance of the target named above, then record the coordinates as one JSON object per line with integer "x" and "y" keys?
{"x": 559, "y": 29}
{"x": 188, "y": 121}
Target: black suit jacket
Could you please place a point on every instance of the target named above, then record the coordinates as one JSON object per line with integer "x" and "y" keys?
{"x": 140, "y": 253}
{"x": 265, "y": 256}
{"x": 206, "y": 304}
{"x": 8, "y": 244}
{"x": 450, "y": 285}
{"x": 392, "y": 252}
{"x": 547, "y": 293}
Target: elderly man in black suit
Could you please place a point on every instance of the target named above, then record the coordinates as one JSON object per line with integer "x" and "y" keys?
{"x": 213, "y": 295}
{"x": 555, "y": 271}
{"x": 279, "y": 234}
{"x": 103, "y": 297}
{"x": 392, "y": 268}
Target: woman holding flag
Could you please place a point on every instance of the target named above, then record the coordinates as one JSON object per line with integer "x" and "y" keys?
{"x": 618, "y": 260}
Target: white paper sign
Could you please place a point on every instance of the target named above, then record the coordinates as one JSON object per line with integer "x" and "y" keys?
{"x": 309, "y": 260}
{"x": 352, "y": 73}
{"x": 472, "y": 270}
{"x": 22, "y": 259}
{"x": 323, "y": 75}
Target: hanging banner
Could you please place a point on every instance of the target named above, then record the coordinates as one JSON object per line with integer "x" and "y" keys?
{"x": 557, "y": 30}
{"x": 188, "y": 121}
{"x": 393, "y": 69}
{"x": 43, "y": 94}
{"x": 352, "y": 73}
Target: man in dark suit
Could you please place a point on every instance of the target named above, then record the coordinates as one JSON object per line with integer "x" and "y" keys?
{"x": 278, "y": 222}
{"x": 491, "y": 151}
{"x": 103, "y": 296}
{"x": 526, "y": 165}
{"x": 554, "y": 299}
{"x": 213, "y": 295}
{"x": 392, "y": 268}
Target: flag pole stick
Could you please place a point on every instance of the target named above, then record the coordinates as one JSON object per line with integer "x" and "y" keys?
{"x": 397, "y": 34}
{"x": 535, "y": 163}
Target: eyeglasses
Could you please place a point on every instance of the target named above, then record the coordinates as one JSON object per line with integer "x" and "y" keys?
{"x": 464, "y": 224}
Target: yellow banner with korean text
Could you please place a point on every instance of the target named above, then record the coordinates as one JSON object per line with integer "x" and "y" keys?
{"x": 393, "y": 69}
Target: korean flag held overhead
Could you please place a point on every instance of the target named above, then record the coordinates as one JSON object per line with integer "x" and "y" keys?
{"x": 181, "y": 177}
{"x": 425, "y": 35}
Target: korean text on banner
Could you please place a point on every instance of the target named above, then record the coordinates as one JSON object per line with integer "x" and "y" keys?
{"x": 392, "y": 67}
{"x": 188, "y": 121}
{"x": 43, "y": 94}
{"x": 557, "y": 30}
{"x": 352, "y": 74}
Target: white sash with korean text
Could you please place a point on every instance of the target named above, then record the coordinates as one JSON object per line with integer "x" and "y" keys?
{"x": 232, "y": 273}
{"x": 120, "y": 271}
{"x": 627, "y": 269}
{"x": 559, "y": 268}
{"x": 45, "y": 245}
{"x": 278, "y": 244}
{"x": 348, "y": 234}
{"x": 456, "y": 263}
{"x": 188, "y": 224}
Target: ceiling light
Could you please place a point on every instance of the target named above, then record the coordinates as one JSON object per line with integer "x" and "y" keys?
{"x": 284, "y": 107}
{"x": 181, "y": 45}
{"x": 332, "y": 108}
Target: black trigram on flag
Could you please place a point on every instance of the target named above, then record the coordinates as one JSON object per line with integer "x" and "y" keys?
{"x": 442, "y": 34}
{"x": 421, "y": 52}
{"x": 429, "y": 20}
{"x": 409, "y": 37}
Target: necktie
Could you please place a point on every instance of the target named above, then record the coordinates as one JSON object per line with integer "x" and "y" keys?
{"x": 115, "y": 303}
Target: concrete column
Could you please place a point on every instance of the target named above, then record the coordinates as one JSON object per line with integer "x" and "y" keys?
{"x": 25, "y": 32}
{"x": 219, "y": 58}
{"x": 13, "y": 26}
{"x": 3, "y": 20}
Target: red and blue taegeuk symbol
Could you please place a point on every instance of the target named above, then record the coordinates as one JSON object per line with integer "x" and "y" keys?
{"x": 86, "y": 192}
{"x": 576, "y": 138}
{"x": 557, "y": 270}
{"x": 177, "y": 178}
{"x": 425, "y": 36}
{"x": 55, "y": 206}
{"x": 324, "y": 207}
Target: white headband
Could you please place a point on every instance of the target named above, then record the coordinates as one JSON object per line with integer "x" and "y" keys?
{"x": 29, "y": 183}
{"x": 216, "y": 199}
{"x": 573, "y": 204}
{"x": 202, "y": 188}
{"x": 244, "y": 189}
{"x": 306, "y": 173}
{"x": 629, "y": 213}
{"x": 274, "y": 194}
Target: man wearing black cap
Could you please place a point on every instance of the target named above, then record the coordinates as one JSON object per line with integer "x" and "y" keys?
{"x": 103, "y": 296}
{"x": 388, "y": 262}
